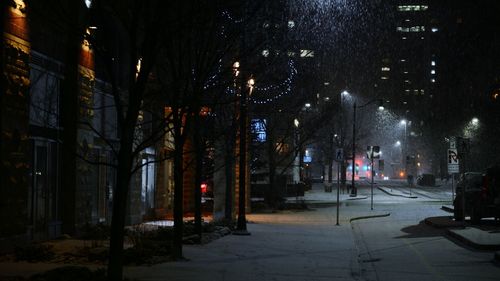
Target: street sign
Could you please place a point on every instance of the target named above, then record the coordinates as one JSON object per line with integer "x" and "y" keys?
{"x": 307, "y": 159}
{"x": 373, "y": 152}
{"x": 453, "y": 163}
{"x": 339, "y": 155}
{"x": 453, "y": 142}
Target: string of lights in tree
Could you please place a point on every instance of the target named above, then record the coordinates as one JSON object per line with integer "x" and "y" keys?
{"x": 229, "y": 17}
{"x": 212, "y": 81}
{"x": 286, "y": 87}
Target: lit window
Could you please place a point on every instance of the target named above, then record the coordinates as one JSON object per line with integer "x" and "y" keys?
{"x": 306, "y": 53}
{"x": 407, "y": 81}
{"x": 403, "y": 60}
{"x": 265, "y": 53}
{"x": 385, "y": 68}
{"x": 418, "y": 28}
{"x": 291, "y": 24}
{"x": 411, "y": 8}
{"x": 405, "y": 72}
{"x": 258, "y": 127}
{"x": 434, "y": 29}
{"x": 407, "y": 90}
{"x": 433, "y": 80}
{"x": 433, "y": 71}
{"x": 384, "y": 77}
{"x": 433, "y": 63}
{"x": 404, "y": 38}
{"x": 282, "y": 147}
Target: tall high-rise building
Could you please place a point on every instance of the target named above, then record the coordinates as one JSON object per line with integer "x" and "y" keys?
{"x": 409, "y": 64}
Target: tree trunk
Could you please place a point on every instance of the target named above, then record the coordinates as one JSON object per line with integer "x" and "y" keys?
{"x": 229, "y": 171}
{"x": 230, "y": 145}
{"x": 178, "y": 185}
{"x": 271, "y": 192}
{"x": 330, "y": 169}
{"x": 199, "y": 149}
{"x": 69, "y": 121}
{"x": 120, "y": 194}
{"x": 124, "y": 175}
{"x": 3, "y": 11}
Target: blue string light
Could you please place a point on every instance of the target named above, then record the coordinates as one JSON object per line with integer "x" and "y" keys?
{"x": 286, "y": 84}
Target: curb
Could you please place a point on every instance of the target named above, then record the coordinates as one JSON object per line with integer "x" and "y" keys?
{"x": 392, "y": 194}
{"x": 447, "y": 209}
{"x": 428, "y": 221}
{"x": 357, "y": 198}
{"x": 453, "y": 231}
{"x": 369, "y": 217}
{"x": 472, "y": 244}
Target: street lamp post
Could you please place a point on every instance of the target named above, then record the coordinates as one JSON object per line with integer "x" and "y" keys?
{"x": 354, "y": 191}
{"x": 340, "y": 163}
{"x": 296, "y": 161}
{"x": 241, "y": 228}
{"x": 404, "y": 147}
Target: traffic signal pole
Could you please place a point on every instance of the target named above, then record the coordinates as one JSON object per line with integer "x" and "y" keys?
{"x": 353, "y": 189}
{"x": 372, "y": 179}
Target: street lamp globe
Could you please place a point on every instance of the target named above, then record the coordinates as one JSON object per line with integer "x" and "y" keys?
{"x": 475, "y": 121}
{"x": 251, "y": 82}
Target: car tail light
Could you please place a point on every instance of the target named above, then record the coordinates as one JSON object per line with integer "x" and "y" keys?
{"x": 203, "y": 188}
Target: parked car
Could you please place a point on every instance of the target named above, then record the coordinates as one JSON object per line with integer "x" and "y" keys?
{"x": 482, "y": 195}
